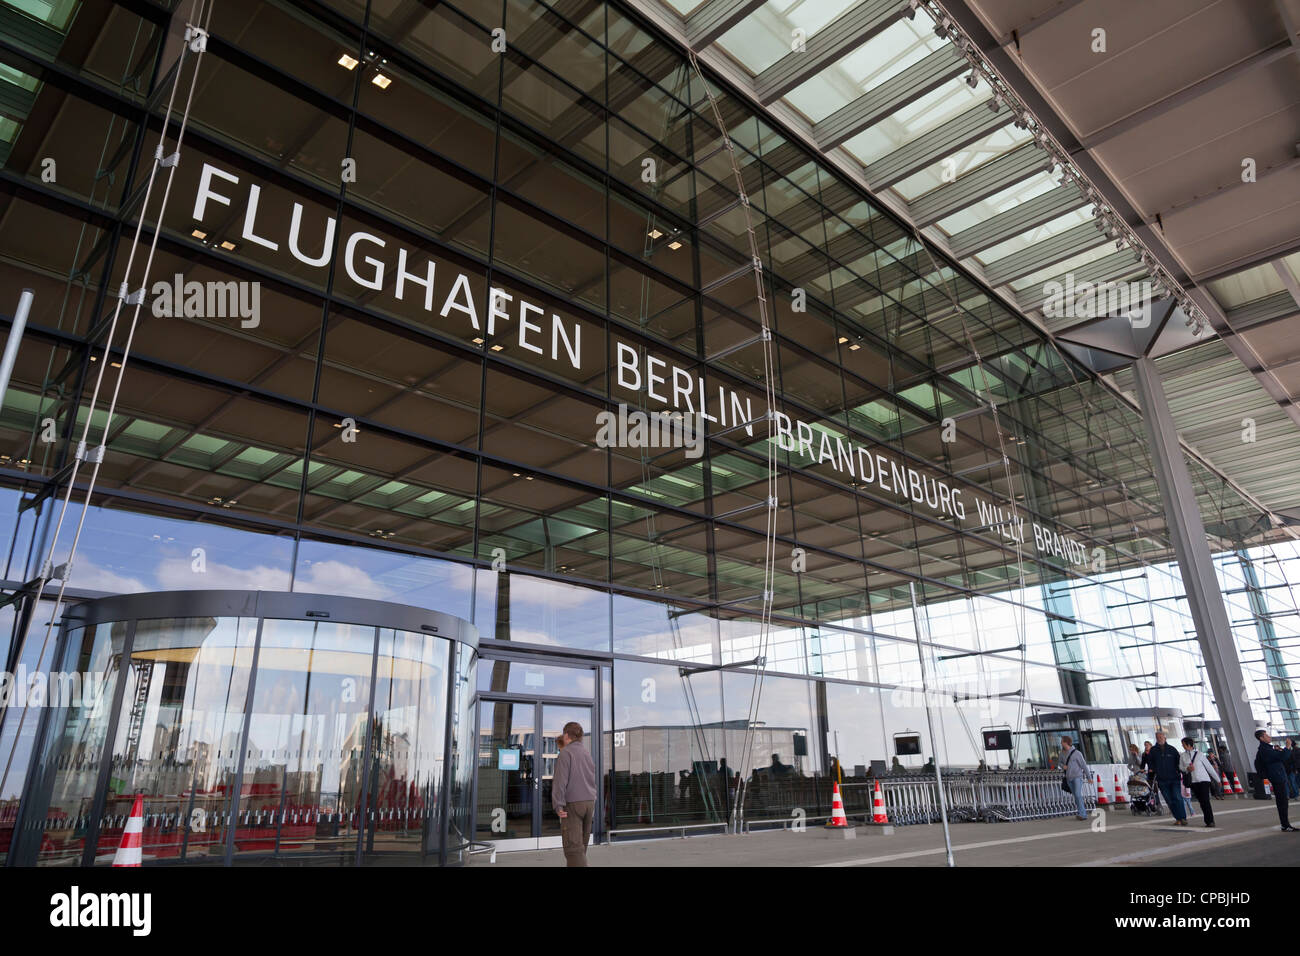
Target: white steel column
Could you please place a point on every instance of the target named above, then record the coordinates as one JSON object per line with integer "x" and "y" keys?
{"x": 1192, "y": 548}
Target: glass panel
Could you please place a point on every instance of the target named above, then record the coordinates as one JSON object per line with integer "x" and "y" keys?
{"x": 407, "y": 744}
{"x": 307, "y": 732}
{"x": 554, "y": 718}
{"x": 517, "y": 677}
{"x": 507, "y": 782}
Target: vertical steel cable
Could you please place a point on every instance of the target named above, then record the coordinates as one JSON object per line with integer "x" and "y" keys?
{"x": 124, "y": 293}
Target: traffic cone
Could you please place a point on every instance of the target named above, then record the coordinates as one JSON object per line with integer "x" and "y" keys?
{"x": 1120, "y": 795}
{"x": 878, "y": 814}
{"x": 128, "y": 854}
{"x": 1102, "y": 800}
{"x": 1236, "y": 785}
{"x": 838, "y": 819}
{"x": 1223, "y": 784}
{"x": 1268, "y": 788}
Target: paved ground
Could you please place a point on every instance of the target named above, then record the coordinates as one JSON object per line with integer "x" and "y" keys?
{"x": 1247, "y": 835}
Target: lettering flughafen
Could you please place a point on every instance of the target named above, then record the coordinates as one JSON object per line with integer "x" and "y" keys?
{"x": 449, "y": 293}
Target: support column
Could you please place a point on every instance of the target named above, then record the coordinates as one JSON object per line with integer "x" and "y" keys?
{"x": 1187, "y": 531}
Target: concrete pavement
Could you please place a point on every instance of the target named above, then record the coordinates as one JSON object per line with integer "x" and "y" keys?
{"x": 1120, "y": 839}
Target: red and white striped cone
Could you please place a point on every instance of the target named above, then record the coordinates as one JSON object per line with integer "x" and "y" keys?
{"x": 1102, "y": 799}
{"x": 878, "y": 814}
{"x": 1223, "y": 783}
{"x": 1268, "y": 788}
{"x": 128, "y": 854}
{"x": 1120, "y": 795}
{"x": 1236, "y": 785}
{"x": 838, "y": 819}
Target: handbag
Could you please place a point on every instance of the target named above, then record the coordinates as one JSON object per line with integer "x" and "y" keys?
{"x": 1065, "y": 784}
{"x": 1187, "y": 774}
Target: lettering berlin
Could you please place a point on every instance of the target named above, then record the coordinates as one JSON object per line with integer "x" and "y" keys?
{"x": 637, "y": 371}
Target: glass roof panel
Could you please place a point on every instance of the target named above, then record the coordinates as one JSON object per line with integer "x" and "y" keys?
{"x": 977, "y": 154}
{"x": 916, "y": 119}
{"x": 1035, "y": 235}
{"x": 1255, "y": 283}
{"x": 1065, "y": 265}
{"x": 879, "y": 59}
{"x": 999, "y": 202}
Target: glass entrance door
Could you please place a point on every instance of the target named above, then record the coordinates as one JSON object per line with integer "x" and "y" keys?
{"x": 518, "y": 745}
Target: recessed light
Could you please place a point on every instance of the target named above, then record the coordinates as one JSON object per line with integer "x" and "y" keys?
{"x": 478, "y": 341}
{"x": 516, "y": 474}
{"x": 528, "y": 477}
{"x": 348, "y": 62}
{"x": 115, "y": 364}
{"x": 94, "y": 358}
{"x": 381, "y": 81}
{"x": 854, "y": 347}
{"x": 227, "y": 244}
{"x": 497, "y": 348}
{"x": 655, "y": 233}
{"x": 674, "y": 244}
{"x": 199, "y": 234}
{"x": 843, "y": 339}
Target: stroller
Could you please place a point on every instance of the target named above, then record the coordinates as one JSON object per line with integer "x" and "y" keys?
{"x": 1141, "y": 798}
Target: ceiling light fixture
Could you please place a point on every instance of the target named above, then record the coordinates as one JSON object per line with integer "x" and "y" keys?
{"x": 497, "y": 348}
{"x": 381, "y": 81}
{"x": 227, "y": 245}
{"x": 674, "y": 245}
{"x": 973, "y": 80}
{"x": 199, "y": 234}
{"x": 654, "y": 233}
{"x": 348, "y": 62}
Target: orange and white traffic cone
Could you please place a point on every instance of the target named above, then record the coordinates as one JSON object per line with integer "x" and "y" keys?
{"x": 838, "y": 819}
{"x": 878, "y": 814}
{"x": 1223, "y": 783}
{"x": 1102, "y": 799}
{"x": 1236, "y": 785}
{"x": 1268, "y": 788}
{"x": 1120, "y": 795}
{"x": 129, "y": 853}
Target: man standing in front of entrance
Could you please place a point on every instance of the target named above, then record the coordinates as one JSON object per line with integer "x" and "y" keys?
{"x": 573, "y": 794}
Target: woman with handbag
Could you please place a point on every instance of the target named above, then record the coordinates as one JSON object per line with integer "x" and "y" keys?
{"x": 1197, "y": 777}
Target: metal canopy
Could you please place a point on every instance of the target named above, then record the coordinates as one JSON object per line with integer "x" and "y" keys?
{"x": 1159, "y": 123}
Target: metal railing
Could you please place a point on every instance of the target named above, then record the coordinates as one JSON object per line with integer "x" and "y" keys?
{"x": 987, "y": 797}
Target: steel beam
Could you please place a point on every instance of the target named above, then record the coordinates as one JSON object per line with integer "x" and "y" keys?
{"x": 1113, "y": 268}
{"x": 922, "y": 77}
{"x": 991, "y": 177}
{"x": 1016, "y": 220}
{"x": 944, "y": 140}
{"x": 715, "y": 18}
{"x": 842, "y": 35}
{"x": 1187, "y": 532}
{"x": 1062, "y": 246}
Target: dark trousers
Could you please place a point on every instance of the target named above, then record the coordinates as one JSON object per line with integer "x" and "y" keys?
{"x": 1202, "y": 793}
{"x": 1279, "y": 794}
{"x": 575, "y": 831}
{"x": 1172, "y": 791}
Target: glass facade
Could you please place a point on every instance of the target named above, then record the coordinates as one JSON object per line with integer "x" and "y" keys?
{"x": 251, "y": 730}
{"x": 461, "y": 254}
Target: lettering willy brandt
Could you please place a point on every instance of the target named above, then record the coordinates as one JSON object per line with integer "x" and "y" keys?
{"x": 573, "y": 794}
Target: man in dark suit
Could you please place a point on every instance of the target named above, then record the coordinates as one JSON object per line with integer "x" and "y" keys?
{"x": 1271, "y": 764}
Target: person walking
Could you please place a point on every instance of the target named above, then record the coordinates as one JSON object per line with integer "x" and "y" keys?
{"x": 1164, "y": 759}
{"x": 1270, "y": 763}
{"x": 1076, "y": 774}
{"x": 1293, "y": 767}
{"x": 1151, "y": 774}
{"x": 1198, "y": 777}
{"x": 573, "y": 794}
